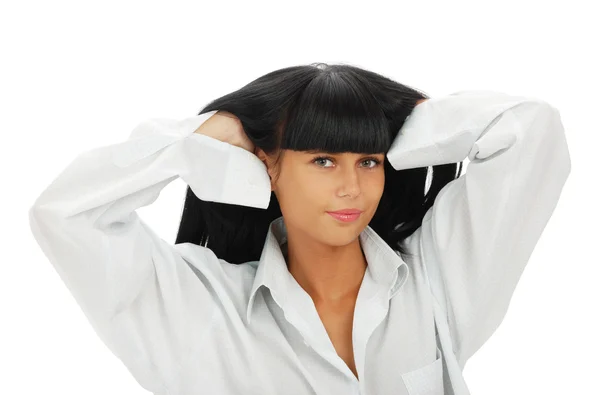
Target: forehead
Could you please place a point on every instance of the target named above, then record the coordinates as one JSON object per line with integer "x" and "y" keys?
{"x": 305, "y": 156}
{"x": 335, "y": 154}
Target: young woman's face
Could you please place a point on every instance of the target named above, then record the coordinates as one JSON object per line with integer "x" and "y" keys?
{"x": 310, "y": 185}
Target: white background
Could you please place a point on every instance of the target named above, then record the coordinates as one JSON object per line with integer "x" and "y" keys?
{"x": 79, "y": 74}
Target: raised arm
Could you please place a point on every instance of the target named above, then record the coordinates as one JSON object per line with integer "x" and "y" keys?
{"x": 141, "y": 297}
{"x": 484, "y": 225}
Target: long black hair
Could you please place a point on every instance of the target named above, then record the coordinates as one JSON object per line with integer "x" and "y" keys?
{"x": 331, "y": 108}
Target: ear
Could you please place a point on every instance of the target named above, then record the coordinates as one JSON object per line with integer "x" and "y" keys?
{"x": 261, "y": 155}
{"x": 266, "y": 160}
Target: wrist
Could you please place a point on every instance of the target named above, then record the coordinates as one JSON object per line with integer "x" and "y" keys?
{"x": 216, "y": 126}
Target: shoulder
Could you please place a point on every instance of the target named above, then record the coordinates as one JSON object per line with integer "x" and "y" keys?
{"x": 225, "y": 278}
{"x": 204, "y": 262}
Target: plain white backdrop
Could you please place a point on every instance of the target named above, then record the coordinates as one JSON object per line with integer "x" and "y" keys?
{"x": 77, "y": 75}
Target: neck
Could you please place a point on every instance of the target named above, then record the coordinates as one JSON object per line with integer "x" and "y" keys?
{"x": 331, "y": 275}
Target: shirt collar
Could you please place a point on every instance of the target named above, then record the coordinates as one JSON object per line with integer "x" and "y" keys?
{"x": 386, "y": 264}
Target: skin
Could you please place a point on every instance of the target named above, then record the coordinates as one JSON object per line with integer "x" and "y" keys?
{"x": 323, "y": 254}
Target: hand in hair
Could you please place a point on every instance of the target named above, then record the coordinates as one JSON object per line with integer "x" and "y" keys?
{"x": 226, "y": 127}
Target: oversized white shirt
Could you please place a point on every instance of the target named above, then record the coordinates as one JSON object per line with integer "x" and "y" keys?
{"x": 186, "y": 322}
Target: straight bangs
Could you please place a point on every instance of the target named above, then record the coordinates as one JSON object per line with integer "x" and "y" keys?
{"x": 336, "y": 113}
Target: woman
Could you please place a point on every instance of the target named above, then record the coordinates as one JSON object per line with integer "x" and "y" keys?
{"x": 317, "y": 195}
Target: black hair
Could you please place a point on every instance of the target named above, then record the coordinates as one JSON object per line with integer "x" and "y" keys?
{"x": 318, "y": 107}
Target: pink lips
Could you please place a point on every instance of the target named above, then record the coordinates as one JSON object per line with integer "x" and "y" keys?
{"x": 345, "y": 215}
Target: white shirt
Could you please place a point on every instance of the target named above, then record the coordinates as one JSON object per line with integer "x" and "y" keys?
{"x": 185, "y": 322}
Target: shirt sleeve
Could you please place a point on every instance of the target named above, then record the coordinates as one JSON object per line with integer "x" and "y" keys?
{"x": 484, "y": 225}
{"x": 143, "y": 300}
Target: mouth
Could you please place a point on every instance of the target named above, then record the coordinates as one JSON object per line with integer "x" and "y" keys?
{"x": 345, "y": 215}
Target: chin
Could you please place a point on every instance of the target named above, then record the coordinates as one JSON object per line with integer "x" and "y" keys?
{"x": 341, "y": 236}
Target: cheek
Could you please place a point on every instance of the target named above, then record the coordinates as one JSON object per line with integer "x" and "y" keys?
{"x": 375, "y": 179}
{"x": 374, "y": 186}
{"x": 304, "y": 195}
{"x": 311, "y": 192}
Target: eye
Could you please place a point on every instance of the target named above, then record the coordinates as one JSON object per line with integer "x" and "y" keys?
{"x": 376, "y": 162}
{"x": 323, "y": 158}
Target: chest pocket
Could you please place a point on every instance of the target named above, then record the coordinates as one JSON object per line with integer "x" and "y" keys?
{"x": 426, "y": 380}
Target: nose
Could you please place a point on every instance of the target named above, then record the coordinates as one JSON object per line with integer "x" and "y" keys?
{"x": 349, "y": 184}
